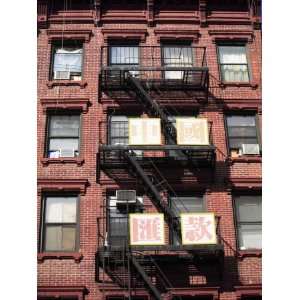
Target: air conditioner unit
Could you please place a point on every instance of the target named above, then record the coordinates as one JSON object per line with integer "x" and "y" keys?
{"x": 67, "y": 152}
{"x": 62, "y": 75}
{"x": 126, "y": 196}
{"x": 252, "y": 149}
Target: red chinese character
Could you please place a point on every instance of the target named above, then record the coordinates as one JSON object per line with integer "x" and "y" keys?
{"x": 197, "y": 229}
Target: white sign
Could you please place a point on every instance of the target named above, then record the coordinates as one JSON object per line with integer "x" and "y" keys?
{"x": 198, "y": 228}
{"x": 146, "y": 229}
{"x": 144, "y": 131}
{"x": 192, "y": 131}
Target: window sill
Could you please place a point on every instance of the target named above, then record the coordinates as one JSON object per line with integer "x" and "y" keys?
{"x": 63, "y": 160}
{"x": 250, "y": 253}
{"x": 81, "y": 83}
{"x": 77, "y": 256}
{"x": 244, "y": 159}
{"x": 224, "y": 85}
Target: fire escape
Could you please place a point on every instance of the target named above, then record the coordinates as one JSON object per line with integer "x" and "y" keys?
{"x": 140, "y": 266}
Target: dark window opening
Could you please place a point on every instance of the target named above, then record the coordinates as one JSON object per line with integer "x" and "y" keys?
{"x": 184, "y": 203}
{"x": 248, "y": 215}
{"x": 67, "y": 61}
{"x": 233, "y": 63}
{"x": 60, "y": 223}
{"x": 242, "y": 135}
{"x": 118, "y": 215}
{"x": 63, "y": 136}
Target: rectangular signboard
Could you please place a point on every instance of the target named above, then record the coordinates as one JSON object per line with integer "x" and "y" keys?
{"x": 192, "y": 131}
{"x": 146, "y": 229}
{"x": 198, "y": 228}
{"x": 144, "y": 131}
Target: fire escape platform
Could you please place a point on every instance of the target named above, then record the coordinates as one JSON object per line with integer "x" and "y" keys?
{"x": 113, "y": 156}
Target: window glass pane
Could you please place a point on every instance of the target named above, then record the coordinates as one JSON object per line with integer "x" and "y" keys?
{"x": 64, "y": 126}
{"x": 232, "y": 55}
{"x": 64, "y": 144}
{"x": 236, "y": 143}
{"x": 53, "y": 238}
{"x": 250, "y": 236}
{"x": 68, "y": 59}
{"x": 68, "y": 238}
{"x": 235, "y": 73}
{"x": 241, "y": 120}
{"x": 248, "y": 208}
{"x": 242, "y": 132}
{"x": 119, "y": 134}
{"x": 124, "y": 55}
{"x": 61, "y": 209}
{"x": 186, "y": 204}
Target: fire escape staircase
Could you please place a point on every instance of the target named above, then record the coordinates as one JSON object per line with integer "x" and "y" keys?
{"x": 145, "y": 266}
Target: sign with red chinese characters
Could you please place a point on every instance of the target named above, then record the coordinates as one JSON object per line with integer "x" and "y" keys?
{"x": 144, "y": 131}
{"x": 198, "y": 228}
{"x": 192, "y": 131}
{"x": 146, "y": 229}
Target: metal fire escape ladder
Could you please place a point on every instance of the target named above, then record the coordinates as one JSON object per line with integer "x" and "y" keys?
{"x": 168, "y": 128}
{"x": 145, "y": 277}
{"x": 172, "y": 220}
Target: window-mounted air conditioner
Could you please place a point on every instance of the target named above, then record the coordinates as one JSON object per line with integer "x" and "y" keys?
{"x": 251, "y": 149}
{"x": 67, "y": 152}
{"x": 126, "y": 196}
{"x": 62, "y": 75}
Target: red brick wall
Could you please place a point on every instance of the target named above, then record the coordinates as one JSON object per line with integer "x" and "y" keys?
{"x": 67, "y": 272}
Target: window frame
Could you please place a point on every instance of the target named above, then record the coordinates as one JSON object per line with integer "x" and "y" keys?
{"x": 129, "y": 45}
{"x": 236, "y": 222}
{"x": 248, "y": 114}
{"x": 55, "y": 45}
{"x": 137, "y": 208}
{"x": 181, "y": 44}
{"x": 47, "y": 134}
{"x": 109, "y": 129}
{"x": 43, "y": 225}
{"x": 185, "y": 194}
{"x": 234, "y": 44}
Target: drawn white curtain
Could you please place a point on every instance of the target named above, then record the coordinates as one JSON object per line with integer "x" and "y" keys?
{"x": 68, "y": 59}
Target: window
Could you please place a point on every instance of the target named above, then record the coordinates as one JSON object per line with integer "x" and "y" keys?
{"x": 241, "y": 129}
{"x": 118, "y": 130}
{"x": 233, "y": 63}
{"x": 118, "y": 220}
{"x": 119, "y": 133}
{"x": 67, "y": 62}
{"x": 63, "y": 136}
{"x": 176, "y": 56}
{"x": 60, "y": 232}
{"x": 124, "y": 56}
{"x": 185, "y": 203}
{"x": 248, "y": 221}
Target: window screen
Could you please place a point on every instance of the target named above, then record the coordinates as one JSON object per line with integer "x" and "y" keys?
{"x": 183, "y": 204}
{"x": 241, "y": 129}
{"x": 60, "y": 224}
{"x": 177, "y": 56}
{"x": 248, "y": 213}
{"x": 233, "y": 63}
{"x": 63, "y": 136}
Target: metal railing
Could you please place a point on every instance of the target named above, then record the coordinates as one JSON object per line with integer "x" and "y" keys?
{"x": 175, "y": 66}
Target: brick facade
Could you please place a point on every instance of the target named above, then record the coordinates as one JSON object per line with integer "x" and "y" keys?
{"x": 204, "y": 23}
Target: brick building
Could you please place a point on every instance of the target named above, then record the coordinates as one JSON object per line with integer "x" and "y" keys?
{"x": 103, "y": 64}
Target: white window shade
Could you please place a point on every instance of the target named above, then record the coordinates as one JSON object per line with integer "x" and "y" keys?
{"x": 232, "y": 55}
{"x": 61, "y": 210}
{"x": 68, "y": 60}
{"x": 250, "y": 237}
